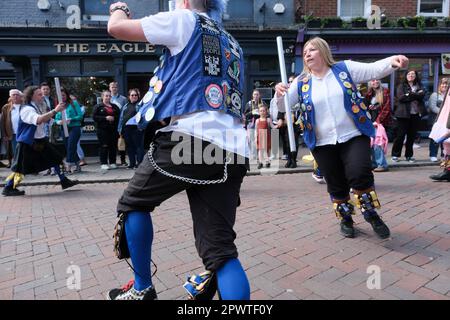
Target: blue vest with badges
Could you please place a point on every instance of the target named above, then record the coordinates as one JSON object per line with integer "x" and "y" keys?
{"x": 353, "y": 102}
{"x": 25, "y": 131}
{"x": 208, "y": 75}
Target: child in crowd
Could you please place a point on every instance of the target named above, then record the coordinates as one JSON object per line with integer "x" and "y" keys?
{"x": 263, "y": 125}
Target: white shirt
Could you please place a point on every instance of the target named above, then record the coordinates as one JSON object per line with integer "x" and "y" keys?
{"x": 332, "y": 122}
{"x": 174, "y": 30}
{"x": 29, "y": 115}
{"x": 15, "y": 117}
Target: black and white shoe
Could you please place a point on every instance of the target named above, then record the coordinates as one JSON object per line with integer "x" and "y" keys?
{"x": 128, "y": 292}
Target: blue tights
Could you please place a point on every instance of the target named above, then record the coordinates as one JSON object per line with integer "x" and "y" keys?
{"x": 232, "y": 280}
{"x": 139, "y": 234}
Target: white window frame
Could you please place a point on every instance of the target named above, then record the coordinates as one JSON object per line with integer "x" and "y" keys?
{"x": 445, "y": 8}
{"x": 367, "y": 13}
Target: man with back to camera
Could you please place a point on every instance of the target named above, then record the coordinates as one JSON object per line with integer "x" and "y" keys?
{"x": 207, "y": 63}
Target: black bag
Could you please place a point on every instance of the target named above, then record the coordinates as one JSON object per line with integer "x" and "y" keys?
{"x": 120, "y": 241}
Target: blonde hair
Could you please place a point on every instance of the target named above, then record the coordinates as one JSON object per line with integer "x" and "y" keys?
{"x": 379, "y": 92}
{"x": 324, "y": 50}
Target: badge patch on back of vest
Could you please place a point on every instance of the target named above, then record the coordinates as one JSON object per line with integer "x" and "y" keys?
{"x": 212, "y": 56}
{"x": 234, "y": 101}
{"x": 234, "y": 47}
{"x": 234, "y": 71}
{"x": 214, "y": 96}
{"x": 208, "y": 25}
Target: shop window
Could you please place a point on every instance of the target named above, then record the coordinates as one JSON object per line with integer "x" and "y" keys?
{"x": 265, "y": 64}
{"x": 90, "y": 66}
{"x": 239, "y": 10}
{"x": 64, "y": 67}
{"x": 433, "y": 7}
{"x": 348, "y": 9}
{"x": 87, "y": 89}
{"x": 96, "y": 10}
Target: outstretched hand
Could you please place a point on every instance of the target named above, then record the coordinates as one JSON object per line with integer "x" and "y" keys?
{"x": 400, "y": 62}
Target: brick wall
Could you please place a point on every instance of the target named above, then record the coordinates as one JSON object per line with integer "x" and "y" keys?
{"x": 322, "y": 8}
{"x": 26, "y": 12}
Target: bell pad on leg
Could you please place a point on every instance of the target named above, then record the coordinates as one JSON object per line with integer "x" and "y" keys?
{"x": 367, "y": 201}
{"x": 344, "y": 210}
{"x": 202, "y": 286}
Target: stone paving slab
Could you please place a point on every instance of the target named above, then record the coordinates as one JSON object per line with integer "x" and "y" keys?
{"x": 287, "y": 238}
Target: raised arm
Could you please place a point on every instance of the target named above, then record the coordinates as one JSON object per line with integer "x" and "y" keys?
{"x": 121, "y": 27}
{"x": 364, "y": 72}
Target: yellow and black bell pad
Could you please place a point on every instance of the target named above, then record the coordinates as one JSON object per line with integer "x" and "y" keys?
{"x": 201, "y": 286}
{"x": 446, "y": 163}
{"x": 366, "y": 199}
{"x": 343, "y": 208}
{"x": 16, "y": 177}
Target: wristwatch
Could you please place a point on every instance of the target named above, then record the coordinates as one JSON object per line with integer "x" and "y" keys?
{"x": 121, "y": 8}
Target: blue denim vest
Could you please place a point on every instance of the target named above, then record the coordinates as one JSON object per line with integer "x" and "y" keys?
{"x": 353, "y": 103}
{"x": 207, "y": 75}
{"x": 25, "y": 131}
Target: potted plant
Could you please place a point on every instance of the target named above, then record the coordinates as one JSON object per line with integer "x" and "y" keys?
{"x": 431, "y": 22}
{"x": 331, "y": 22}
{"x": 403, "y": 22}
{"x": 420, "y": 22}
{"x": 385, "y": 23}
{"x": 313, "y": 22}
{"x": 446, "y": 22}
{"x": 411, "y": 22}
{"x": 359, "y": 22}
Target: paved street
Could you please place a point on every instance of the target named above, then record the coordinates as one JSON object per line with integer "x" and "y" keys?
{"x": 287, "y": 238}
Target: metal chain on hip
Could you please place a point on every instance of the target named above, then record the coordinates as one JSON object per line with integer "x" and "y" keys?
{"x": 184, "y": 179}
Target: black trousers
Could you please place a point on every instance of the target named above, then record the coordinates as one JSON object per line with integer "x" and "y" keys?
{"x": 108, "y": 139}
{"x": 213, "y": 206}
{"x": 408, "y": 128}
{"x": 346, "y": 165}
{"x": 285, "y": 140}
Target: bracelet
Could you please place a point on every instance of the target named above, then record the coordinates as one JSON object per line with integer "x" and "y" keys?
{"x": 121, "y": 8}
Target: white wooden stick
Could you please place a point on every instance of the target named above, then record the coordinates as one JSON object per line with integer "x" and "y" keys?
{"x": 284, "y": 80}
{"x": 63, "y": 113}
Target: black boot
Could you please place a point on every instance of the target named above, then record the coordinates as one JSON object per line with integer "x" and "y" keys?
{"x": 67, "y": 183}
{"x": 443, "y": 176}
{"x": 9, "y": 191}
{"x": 347, "y": 229}
{"x": 288, "y": 163}
{"x": 380, "y": 228}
